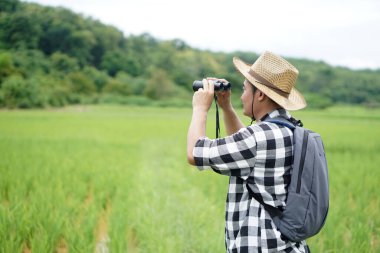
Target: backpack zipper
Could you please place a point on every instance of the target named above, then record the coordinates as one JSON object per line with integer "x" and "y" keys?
{"x": 302, "y": 162}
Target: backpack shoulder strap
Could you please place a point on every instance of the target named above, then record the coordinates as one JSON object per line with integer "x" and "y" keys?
{"x": 291, "y": 123}
{"x": 274, "y": 212}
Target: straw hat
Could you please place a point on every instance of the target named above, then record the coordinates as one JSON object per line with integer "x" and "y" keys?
{"x": 275, "y": 77}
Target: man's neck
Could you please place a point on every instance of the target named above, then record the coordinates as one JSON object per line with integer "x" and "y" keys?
{"x": 266, "y": 110}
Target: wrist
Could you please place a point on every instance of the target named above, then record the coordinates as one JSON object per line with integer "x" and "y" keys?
{"x": 228, "y": 109}
{"x": 200, "y": 110}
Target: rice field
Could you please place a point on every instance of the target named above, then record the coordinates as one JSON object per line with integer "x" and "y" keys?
{"x": 115, "y": 179}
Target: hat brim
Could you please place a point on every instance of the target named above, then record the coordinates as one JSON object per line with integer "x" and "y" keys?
{"x": 295, "y": 100}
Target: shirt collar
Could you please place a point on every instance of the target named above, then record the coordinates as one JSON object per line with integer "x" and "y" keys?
{"x": 276, "y": 113}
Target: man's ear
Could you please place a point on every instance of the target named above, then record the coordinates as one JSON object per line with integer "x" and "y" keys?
{"x": 261, "y": 95}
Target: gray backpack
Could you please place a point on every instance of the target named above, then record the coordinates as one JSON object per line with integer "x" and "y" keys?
{"x": 307, "y": 202}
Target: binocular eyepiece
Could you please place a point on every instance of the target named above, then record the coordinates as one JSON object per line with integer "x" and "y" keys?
{"x": 218, "y": 85}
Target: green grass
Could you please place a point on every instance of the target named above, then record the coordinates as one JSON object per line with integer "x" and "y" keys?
{"x": 63, "y": 171}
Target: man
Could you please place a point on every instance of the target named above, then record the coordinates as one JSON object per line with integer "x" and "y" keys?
{"x": 257, "y": 158}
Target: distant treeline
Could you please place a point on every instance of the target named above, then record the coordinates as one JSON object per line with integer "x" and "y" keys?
{"x": 52, "y": 57}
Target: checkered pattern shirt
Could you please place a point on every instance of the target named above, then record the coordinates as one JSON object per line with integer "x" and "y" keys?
{"x": 259, "y": 157}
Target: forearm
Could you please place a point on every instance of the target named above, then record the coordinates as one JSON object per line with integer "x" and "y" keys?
{"x": 197, "y": 129}
{"x": 231, "y": 121}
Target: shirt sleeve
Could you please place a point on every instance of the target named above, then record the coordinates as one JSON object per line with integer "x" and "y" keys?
{"x": 233, "y": 155}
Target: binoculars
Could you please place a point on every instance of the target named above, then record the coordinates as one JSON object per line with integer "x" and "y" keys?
{"x": 218, "y": 85}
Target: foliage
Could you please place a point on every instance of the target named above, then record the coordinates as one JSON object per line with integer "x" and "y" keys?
{"x": 63, "y": 63}
{"x": 88, "y": 59}
{"x": 317, "y": 101}
{"x": 81, "y": 84}
{"x": 158, "y": 86}
{"x": 18, "y": 92}
{"x": 117, "y": 87}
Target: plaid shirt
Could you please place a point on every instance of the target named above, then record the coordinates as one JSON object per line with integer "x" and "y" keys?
{"x": 259, "y": 157}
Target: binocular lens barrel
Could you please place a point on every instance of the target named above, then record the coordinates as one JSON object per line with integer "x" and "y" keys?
{"x": 218, "y": 85}
{"x": 197, "y": 85}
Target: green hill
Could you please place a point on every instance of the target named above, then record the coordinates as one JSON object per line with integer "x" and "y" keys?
{"x": 53, "y": 57}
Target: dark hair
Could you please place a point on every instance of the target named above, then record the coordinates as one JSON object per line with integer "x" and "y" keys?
{"x": 254, "y": 89}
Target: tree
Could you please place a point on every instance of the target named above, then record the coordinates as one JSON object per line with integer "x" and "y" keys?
{"x": 70, "y": 58}
{"x": 19, "y": 29}
{"x": 8, "y": 5}
{"x": 99, "y": 78}
{"x": 64, "y": 63}
{"x": 115, "y": 86}
{"x": 81, "y": 44}
{"x": 6, "y": 66}
{"x": 16, "y": 92}
{"x": 159, "y": 85}
{"x": 81, "y": 84}
{"x": 115, "y": 61}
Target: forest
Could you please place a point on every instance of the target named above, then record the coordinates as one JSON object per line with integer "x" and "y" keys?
{"x": 52, "y": 57}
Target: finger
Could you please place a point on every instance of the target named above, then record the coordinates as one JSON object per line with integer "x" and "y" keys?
{"x": 222, "y": 94}
{"x": 205, "y": 84}
{"x": 211, "y": 86}
{"x": 200, "y": 90}
{"x": 220, "y": 97}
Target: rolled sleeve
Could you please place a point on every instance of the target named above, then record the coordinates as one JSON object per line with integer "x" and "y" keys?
{"x": 201, "y": 153}
{"x": 233, "y": 155}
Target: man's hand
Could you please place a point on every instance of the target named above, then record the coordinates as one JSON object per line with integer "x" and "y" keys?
{"x": 224, "y": 100}
{"x": 224, "y": 97}
{"x": 202, "y": 98}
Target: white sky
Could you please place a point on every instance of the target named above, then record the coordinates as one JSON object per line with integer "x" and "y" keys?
{"x": 345, "y": 33}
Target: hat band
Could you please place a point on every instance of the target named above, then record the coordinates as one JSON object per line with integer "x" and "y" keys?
{"x": 263, "y": 81}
